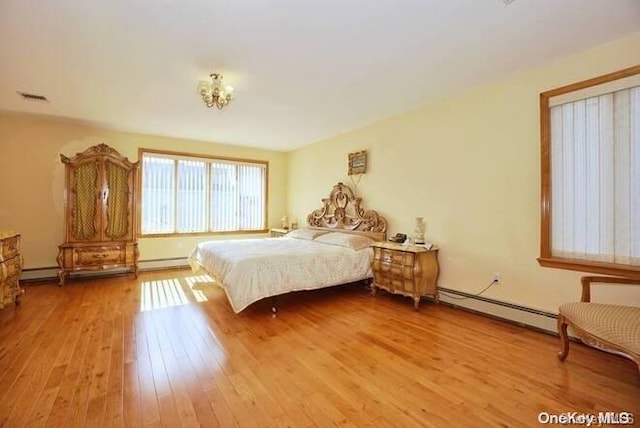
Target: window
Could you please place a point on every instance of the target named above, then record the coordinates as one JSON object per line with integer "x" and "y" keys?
{"x": 590, "y": 135}
{"x": 197, "y": 194}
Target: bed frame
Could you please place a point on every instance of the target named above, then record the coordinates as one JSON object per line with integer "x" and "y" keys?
{"x": 342, "y": 212}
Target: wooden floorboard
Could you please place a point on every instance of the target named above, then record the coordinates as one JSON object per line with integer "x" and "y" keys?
{"x": 166, "y": 350}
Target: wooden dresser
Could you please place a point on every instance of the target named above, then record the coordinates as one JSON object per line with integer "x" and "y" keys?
{"x": 405, "y": 269}
{"x": 100, "y": 195}
{"x": 10, "y": 268}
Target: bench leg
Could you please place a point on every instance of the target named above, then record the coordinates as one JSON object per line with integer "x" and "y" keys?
{"x": 564, "y": 338}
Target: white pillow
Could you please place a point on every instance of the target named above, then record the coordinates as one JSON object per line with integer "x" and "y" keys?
{"x": 355, "y": 242}
{"x": 306, "y": 234}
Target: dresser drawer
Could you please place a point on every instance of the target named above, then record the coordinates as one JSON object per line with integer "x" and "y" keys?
{"x": 74, "y": 257}
{"x": 98, "y": 256}
{"x": 10, "y": 269}
{"x": 9, "y": 247}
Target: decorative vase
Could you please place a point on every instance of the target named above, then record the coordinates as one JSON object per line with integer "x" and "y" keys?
{"x": 285, "y": 222}
{"x": 421, "y": 226}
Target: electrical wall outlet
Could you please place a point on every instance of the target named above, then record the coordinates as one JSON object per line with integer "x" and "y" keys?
{"x": 497, "y": 278}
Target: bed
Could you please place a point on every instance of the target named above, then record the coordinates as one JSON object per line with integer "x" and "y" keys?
{"x": 332, "y": 250}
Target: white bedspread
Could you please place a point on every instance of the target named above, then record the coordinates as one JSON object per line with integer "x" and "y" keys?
{"x": 252, "y": 269}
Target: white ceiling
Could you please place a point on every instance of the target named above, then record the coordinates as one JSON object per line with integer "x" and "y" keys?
{"x": 303, "y": 70}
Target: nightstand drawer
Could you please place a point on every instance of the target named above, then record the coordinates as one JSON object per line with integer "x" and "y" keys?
{"x": 394, "y": 283}
{"x": 395, "y": 257}
{"x": 395, "y": 270}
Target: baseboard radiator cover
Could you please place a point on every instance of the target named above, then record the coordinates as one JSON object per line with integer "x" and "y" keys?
{"x": 517, "y": 314}
{"x": 50, "y": 273}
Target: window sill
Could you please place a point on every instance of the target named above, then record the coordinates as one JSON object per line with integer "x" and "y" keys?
{"x": 588, "y": 266}
{"x": 176, "y": 235}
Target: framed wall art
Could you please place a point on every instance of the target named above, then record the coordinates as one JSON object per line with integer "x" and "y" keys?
{"x": 358, "y": 162}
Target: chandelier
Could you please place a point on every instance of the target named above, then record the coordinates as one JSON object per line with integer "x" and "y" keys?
{"x": 214, "y": 93}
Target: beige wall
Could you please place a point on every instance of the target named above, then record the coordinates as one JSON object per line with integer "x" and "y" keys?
{"x": 470, "y": 165}
{"x": 32, "y": 176}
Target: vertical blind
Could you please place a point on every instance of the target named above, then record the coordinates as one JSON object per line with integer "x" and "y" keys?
{"x": 595, "y": 178}
{"x": 237, "y": 197}
{"x": 158, "y": 195}
{"x": 183, "y": 195}
{"x": 192, "y": 196}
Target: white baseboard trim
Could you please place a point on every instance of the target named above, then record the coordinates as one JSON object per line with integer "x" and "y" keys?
{"x": 51, "y": 273}
{"x": 39, "y": 274}
{"x": 510, "y": 312}
{"x": 159, "y": 264}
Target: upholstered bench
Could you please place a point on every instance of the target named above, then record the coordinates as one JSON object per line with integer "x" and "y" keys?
{"x": 612, "y": 328}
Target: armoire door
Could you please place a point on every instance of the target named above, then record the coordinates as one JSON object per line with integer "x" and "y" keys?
{"x": 84, "y": 201}
{"x": 118, "y": 202}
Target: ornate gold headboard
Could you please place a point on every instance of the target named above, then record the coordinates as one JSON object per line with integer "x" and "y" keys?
{"x": 342, "y": 210}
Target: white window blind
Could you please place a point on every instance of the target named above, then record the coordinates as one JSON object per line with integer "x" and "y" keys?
{"x": 252, "y": 196}
{"x": 224, "y": 197}
{"x": 189, "y": 195}
{"x": 237, "y": 197}
{"x": 158, "y": 195}
{"x": 595, "y": 178}
{"x": 192, "y": 196}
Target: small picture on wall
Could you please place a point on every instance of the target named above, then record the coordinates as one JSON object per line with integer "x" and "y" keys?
{"x": 358, "y": 162}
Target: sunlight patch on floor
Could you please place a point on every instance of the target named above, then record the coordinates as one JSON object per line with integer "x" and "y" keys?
{"x": 195, "y": 284}
{"x": 161, "y": 294}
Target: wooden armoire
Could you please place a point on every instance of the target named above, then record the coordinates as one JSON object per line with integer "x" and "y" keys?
{"x": 100, "y": 212}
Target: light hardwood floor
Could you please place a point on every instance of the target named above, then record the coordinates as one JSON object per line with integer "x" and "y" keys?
{"x": 112, "y": 352}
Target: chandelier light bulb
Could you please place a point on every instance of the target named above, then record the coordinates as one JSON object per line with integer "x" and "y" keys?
{"x": 203, "y": 87}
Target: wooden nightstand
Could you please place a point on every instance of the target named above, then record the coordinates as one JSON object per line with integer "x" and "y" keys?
{"x": 278, "y": 233}
{"x": 405, "y": 269}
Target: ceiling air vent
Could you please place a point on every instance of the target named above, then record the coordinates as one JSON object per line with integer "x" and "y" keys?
{"x": 34, "y": 97}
